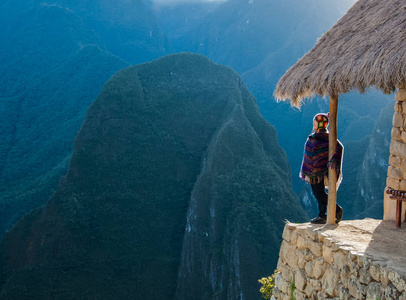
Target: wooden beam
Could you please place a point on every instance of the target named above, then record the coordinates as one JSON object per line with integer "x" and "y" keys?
{"x": 332, "y": 176}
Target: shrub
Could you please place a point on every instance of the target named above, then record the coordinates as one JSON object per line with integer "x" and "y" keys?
{"x": 268, "y": 284}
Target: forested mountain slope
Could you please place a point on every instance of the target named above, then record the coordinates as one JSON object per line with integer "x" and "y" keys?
{"x": 56, "y": 56}
{"x": 177, "y": 187}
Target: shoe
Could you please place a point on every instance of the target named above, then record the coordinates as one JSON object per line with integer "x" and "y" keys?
{"x": 339, "y": 214}
{"x": 318, "y": 220}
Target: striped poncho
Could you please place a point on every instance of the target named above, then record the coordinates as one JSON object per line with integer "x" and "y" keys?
{"x": 315, "y": 159}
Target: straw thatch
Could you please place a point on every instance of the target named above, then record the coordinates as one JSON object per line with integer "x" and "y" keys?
{"x": 366, "y": 47}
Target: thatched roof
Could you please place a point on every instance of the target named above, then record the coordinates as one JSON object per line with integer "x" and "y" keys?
{"x": 366, "y": 47}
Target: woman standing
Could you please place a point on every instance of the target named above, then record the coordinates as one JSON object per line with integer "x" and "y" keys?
{"x": 315, "y": 166}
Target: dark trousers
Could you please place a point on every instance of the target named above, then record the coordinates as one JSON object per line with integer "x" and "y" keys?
{"x": 322, "y": 199}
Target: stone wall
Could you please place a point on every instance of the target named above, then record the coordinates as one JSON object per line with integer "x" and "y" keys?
{"x": 314, "y": 264}
{"x": 397, "y": 160}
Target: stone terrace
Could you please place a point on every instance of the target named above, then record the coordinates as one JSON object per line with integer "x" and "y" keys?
{"x": 359, "y": 259}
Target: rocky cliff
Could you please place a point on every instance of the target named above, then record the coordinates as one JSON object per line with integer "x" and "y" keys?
{"x": 177, "y": 188}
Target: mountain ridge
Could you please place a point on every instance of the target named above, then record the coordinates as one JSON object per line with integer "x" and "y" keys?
{"x": 167, "y": 159}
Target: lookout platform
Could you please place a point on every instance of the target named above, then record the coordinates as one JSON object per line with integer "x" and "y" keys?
{"x": 358, "y": 259}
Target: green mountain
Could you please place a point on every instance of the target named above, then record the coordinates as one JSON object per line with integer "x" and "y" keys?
{"x": 177, "y": 188}
{"x": 56, "y": 56}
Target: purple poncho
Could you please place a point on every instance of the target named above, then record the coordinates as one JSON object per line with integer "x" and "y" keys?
{"x": 315, "y": 159}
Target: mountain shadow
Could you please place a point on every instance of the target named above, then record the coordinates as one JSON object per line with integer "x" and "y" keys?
{"x": 177, "y": 188}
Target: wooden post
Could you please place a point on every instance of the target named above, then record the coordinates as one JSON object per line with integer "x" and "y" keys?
{"x": 332, "y": 176}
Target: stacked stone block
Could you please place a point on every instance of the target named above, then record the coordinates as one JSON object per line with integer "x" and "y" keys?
{"x": 397, "y": 160}
{"x": 312, "y": 266}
